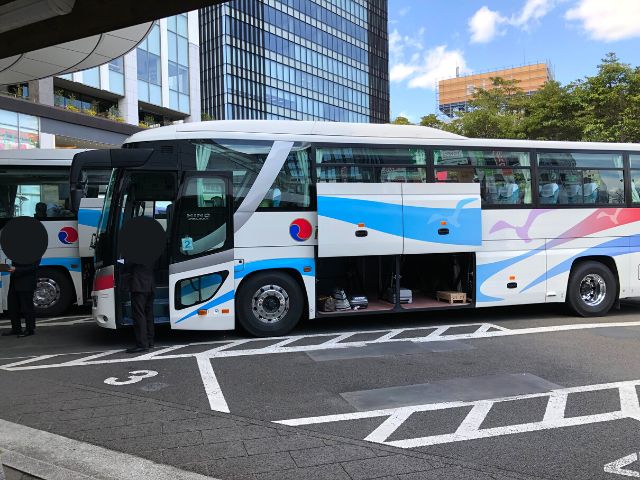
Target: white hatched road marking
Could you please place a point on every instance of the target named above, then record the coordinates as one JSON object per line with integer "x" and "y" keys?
{"x": 617, "y": 467}
{"x": 469, "y": 428}
{"x": 228, "y": 348}
{"x": 224, "y": 348}
{"x": 55, "y": 321}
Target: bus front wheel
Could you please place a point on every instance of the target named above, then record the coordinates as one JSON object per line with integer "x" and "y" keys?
{"x": 269, "y": 304}
{"x": 53, "y": 294}
{"x": 592, "y": 289}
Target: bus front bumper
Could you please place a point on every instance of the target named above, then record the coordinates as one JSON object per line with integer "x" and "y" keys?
{"x": 103, "y": 308}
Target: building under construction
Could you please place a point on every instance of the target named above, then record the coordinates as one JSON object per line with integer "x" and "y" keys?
{"x": 455, "y": 93}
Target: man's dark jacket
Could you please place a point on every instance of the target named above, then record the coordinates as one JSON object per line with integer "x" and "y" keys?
{"x": 24, "y": 278}
{"x": 141, "y": 278}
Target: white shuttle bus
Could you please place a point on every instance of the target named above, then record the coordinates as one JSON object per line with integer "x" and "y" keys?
{"x": 35, "y": 183}
{"x": 269, "y": 222}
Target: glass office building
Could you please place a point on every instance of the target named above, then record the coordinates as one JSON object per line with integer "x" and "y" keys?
{"x": 295, "y": 59}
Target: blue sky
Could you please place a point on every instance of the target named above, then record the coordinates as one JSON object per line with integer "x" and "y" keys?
{"x": 428, "y": 39}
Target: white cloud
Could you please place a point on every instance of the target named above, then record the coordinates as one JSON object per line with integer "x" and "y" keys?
{"x": 606, "y": 20}
{"x": 532, "y": 10}
{"x": 484, "y": 25}
{"x": 400, "y": 71}
{"x": 419, "y": 67}
{"x": 436, "y": 64}
{"x": 403, "y": 11}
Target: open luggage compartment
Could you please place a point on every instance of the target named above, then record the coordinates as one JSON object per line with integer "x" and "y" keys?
{"x": 357, "y": 277}
{"x": 425, "y": 275}
{"x": 368, "y": 284}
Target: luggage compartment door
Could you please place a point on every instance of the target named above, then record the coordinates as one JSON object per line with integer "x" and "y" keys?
{"x": 358, "y": 219}
{"x": 441, "y": 217}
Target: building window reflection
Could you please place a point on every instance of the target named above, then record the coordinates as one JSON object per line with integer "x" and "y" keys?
{"x": 18, "y": 131}
{"x": 178, "y": 45}
{"x": 149, "y": 71}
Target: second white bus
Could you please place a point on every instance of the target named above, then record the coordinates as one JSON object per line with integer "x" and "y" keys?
{"x": 35, "y": 183}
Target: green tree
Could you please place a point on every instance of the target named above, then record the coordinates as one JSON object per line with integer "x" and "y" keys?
{"x": 496, "y": 112}
{"x": 551, "y": 114}
{"x": 432, "y": 121}
{"x": 401, "y": 121}
{"x": 603, "y": 100}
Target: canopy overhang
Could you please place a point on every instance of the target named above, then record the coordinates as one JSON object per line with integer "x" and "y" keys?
{"x": 71, "y": 56}
{"x": 35, "y": 24}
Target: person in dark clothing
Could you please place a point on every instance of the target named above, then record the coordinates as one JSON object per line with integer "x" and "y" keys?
{"x": 41, "y": 210}
{"x": 139, "y": 258}
{"x": 21, "y": 288}
{"x": 24, "y": 241}
{"x": 141, "y": 287}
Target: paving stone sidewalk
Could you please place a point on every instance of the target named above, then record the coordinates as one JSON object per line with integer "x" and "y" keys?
{"x": 224, "y": 446}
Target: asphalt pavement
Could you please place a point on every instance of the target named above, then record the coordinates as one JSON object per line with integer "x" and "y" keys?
{"x": 523, "y": 392}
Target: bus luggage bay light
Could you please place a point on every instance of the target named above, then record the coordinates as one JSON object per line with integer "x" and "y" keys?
{"x": 270, "y": 222}
{"x": 35, "y": 183}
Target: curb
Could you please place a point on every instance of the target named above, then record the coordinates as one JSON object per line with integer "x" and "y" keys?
{"x": 53, "y": 457}
{"x": 36, "y": 468}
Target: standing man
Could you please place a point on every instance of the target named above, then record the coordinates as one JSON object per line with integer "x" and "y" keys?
{"x": 142, "y": 241}
{"x": 23, "y": 240}
{"x": 21, "y": 288}
{"x": 141, "y": 286}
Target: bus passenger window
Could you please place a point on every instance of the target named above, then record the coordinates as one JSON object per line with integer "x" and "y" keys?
{"x": 43, "y": 194}
{"x": 380, "y": 164}
{"x": 504, "y": 176}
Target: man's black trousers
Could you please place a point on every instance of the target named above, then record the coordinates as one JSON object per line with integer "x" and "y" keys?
{"x": 21, "y": 305}
{"x": 142, "y": 309}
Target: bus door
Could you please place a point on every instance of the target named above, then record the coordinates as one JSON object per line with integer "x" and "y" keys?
{"x": 150, "y": 194}
{"x": 201, "y": 269}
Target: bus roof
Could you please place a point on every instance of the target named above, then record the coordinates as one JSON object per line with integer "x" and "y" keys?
{"x": 336, "y": 132}
{"x": 39, "y": 156}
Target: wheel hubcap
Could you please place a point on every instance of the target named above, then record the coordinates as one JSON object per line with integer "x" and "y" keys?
{"x": 593, "y": 289}
{"x": 47, "y": 293}
{"x": 270, "y": 304}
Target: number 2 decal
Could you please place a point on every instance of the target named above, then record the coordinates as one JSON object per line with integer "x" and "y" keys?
{"x": 134, "y": 377}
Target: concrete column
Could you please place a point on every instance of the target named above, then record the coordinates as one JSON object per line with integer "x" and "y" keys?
{"x": 104, "y": 76}
{"x": 194, "y": 84}
{"x": 41, "y": 91}
{"x": 195, "y": 103}
{"x": 47, "y": 140}
{"x": 128, "y": 105}
{"x": 164, "y": 62}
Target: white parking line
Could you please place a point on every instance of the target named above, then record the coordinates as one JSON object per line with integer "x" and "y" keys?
{"x": 211, "y": 386}
{"x": 469, "y": 428}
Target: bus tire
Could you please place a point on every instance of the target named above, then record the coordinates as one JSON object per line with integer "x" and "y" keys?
{"x": 592, "y": 289}
{"x": 269, "y": 304}
{"x": 54, "y": 293}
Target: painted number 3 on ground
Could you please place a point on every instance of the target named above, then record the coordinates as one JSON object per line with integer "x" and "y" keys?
{"x": 134, "y": 377}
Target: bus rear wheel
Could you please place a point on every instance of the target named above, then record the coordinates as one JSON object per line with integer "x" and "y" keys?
{"x": 592, "y": 289}
{"x": 269, "y": 304}
{"x": 53, "y": 294}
